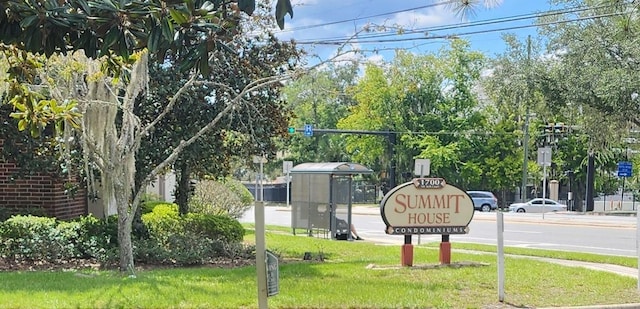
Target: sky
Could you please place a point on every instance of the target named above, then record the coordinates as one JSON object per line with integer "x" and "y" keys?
{"x": 426, "y": 24}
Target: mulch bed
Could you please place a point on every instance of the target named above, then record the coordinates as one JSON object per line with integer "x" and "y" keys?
{"x": 84, "y": 264}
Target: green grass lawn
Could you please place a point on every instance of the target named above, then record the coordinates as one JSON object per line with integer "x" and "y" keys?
{"x": 353, "y": 275}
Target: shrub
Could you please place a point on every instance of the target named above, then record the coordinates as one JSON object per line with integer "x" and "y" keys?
{"x": 218, "y": 198}
{"x": 36, "y": 238}
{"x": 42, "y": 239}
{"x": 183, "y": 249}
{"x": 163, "y": 221}
{"x": 8, "y": 212}
{"x": 150, "y": 251}
{"x": 246, "y": 198}
{"x": 97, "y": 238}
{"x": 222, "y": 228}
{"x": 187, "y": 240}
{"x": 150, "y": 201}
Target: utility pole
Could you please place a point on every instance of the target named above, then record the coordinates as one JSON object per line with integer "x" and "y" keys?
{"x": 525, "y": 139}
{"x": 525, "y": 160}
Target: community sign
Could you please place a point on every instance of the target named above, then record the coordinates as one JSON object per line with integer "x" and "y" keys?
{"x": 426, "y": 206}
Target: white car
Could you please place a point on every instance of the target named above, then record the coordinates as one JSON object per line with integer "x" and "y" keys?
{"x": 536, "y": 205}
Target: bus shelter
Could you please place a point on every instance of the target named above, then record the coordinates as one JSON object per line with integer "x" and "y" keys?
{"x": 321, "y": 197}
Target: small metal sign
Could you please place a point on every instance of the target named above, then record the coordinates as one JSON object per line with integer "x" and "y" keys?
{"x": 544, "y": 156}
{"x": 273, "y": 276}
{"x": 422, "y": 167}
{"x": 625, "y": 169}
{"x": 259, "y": 159}
{"x": 308, "y": 130}
{"x": 287, "y": 166}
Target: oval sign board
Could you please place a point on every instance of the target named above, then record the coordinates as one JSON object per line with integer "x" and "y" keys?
{"x": 426, "y": 206}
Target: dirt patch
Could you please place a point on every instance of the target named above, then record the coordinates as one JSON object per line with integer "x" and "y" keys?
{"x": 429, "y": 266}
{"x": 6, "y": 265}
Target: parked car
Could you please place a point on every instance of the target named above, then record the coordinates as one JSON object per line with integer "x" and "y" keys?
{"x": 483, "y": 200}
{"x": 537, "y": 205}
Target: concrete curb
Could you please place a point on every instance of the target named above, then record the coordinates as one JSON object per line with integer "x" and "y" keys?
{"x": 636, "y": 305}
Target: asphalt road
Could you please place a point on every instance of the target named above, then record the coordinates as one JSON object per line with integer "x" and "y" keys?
{"x": 613, "y": 235}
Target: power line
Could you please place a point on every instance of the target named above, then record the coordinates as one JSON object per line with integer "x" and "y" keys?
{"x": 483, "y": 22}
{"x": 466, "y": 25}
{"x": 449, "y": 36}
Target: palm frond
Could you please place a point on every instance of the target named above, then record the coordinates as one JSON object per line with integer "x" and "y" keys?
{"x": 467, "y": 8}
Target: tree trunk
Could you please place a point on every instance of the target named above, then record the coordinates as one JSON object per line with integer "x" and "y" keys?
{"x": 183, "y": 187}
{"x": 125, "y": 245}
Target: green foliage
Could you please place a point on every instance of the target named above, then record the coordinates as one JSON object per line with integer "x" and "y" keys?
{"x": 163, "y": 221}
{"x": 223, "y": 228}
{"x": 121, "y": 28}
{"x": 246, "y": 198}
{"x": 32, "y": 109}
{"x": 97, "y": 238}
{"x": 149, "y": 202}
{"x": 194, "y": 239}
{"x": 29, "y": 238}
{"x": 229, "y": 137}
{"x": 189, "y": 249}
{"x": 8, "y": 212}
{"x": 320, "y": 98}
{"x": 187, "y": 240}
{"x": 230, "y": 198}
{"x": 428, "y": 101}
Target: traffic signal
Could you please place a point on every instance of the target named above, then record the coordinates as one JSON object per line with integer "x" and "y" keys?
{"x": 555, "y": 128}
{"x": 291, "y": 130}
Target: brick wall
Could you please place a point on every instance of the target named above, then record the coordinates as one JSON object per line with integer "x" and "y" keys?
{"x": 43, "y": 191}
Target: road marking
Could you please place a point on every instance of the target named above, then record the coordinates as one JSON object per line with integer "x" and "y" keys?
{"x": 539, "y": 245}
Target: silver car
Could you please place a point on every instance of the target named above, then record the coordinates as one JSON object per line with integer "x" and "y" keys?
{"x": 483, "y": 200}
{"x": 538, "y": 205}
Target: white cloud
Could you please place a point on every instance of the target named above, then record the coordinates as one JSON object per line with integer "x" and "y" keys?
{"x": 430, "y": 18}
{"x": 376, "y": 59}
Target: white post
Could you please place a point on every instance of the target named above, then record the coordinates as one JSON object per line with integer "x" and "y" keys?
{"x": 261, "y": 246}
{"x": 286, "y": 168}
{"x": 500, "y": 221}
{"x": 261, "y": 255}
{"x": 638, "y": 242}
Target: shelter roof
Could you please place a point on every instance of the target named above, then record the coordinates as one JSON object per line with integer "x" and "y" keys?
{"x": 341, "y": 168}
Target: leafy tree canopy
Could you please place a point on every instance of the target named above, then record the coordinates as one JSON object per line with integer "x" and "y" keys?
{"x": 194, "y": 28}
